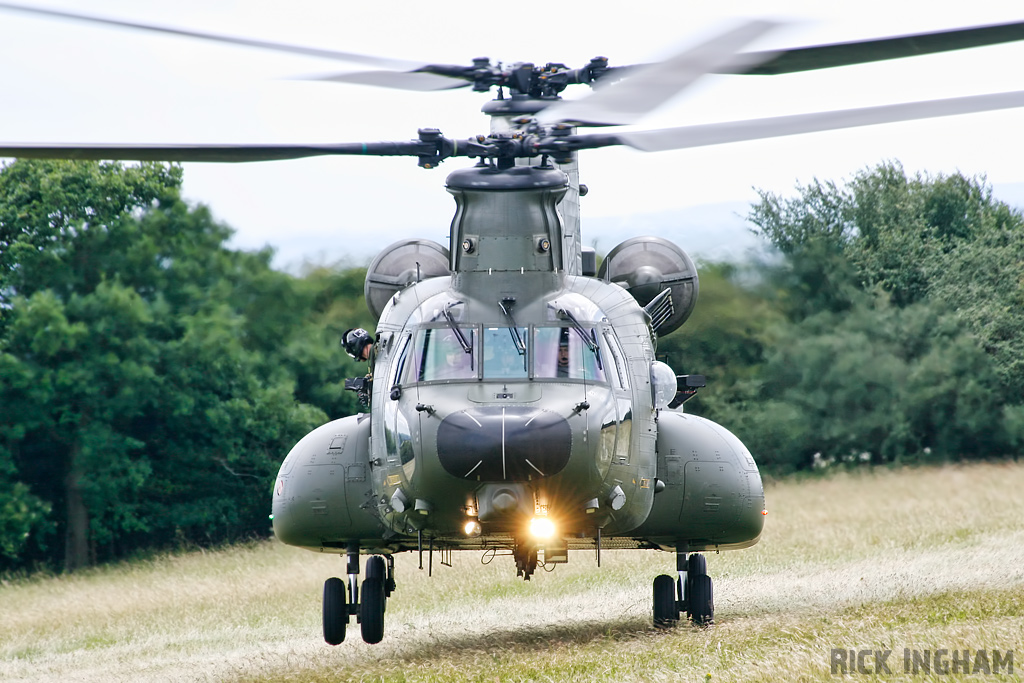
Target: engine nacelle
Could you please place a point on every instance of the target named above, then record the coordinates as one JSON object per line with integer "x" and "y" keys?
{"x": 400, "y": 265}
{"x": 647, "y": 266}
{"x": 712, "y": 496}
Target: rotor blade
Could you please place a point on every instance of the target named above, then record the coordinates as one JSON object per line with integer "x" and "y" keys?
{"x": 209, "y": 153}
{"x": 400, "y": 80}
{"x": 864, "y": 51}
{"x": 647, "y": 87}
{"x": 369, "y": 60}
{"x": 756, "y": 129}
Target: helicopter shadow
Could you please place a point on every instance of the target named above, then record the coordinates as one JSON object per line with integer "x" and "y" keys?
{"x": 536, "y": 638}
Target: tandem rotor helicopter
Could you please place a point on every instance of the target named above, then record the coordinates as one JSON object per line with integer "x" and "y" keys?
{"x": 515, "y": 404}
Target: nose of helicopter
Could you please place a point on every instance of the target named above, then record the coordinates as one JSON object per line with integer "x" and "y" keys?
{"x": 512, "y": 443}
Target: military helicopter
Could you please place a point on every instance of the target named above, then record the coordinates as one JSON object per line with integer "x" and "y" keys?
{"x": 515, "y": 404}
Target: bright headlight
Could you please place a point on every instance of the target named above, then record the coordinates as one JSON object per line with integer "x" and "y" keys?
{"x": 542, "y": 527}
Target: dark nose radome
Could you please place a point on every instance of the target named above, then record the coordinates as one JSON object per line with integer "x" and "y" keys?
{"x": 503, "y": 443}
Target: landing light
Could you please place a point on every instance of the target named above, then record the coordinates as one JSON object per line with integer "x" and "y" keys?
{"x": 472, "y": 528}
{"x": 542, "y": 527}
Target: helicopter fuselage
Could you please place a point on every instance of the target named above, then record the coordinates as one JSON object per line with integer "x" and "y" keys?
{"x": 517, "y": 406}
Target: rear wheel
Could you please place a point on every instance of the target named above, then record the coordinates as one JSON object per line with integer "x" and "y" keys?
{"x": 696, "y": 565}
{"x": 375, "y": 568}
{"x": 371, "y": 610}
{"x": 335, "y": 611}
{"x": 666, "y": 612}
{"x": 702, "y": 602}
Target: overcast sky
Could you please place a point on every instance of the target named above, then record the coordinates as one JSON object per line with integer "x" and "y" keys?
{"x": 72, "y": 82}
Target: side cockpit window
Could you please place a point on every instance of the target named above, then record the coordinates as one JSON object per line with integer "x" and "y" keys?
{"x": 403, "y": 356}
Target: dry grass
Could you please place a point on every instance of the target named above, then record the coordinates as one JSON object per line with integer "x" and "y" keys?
{"x": 923, "y": 558}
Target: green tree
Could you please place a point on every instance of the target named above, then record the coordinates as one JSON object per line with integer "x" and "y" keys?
{"x": 139, "y": 402}
{"x": 900, "y": 341}
{"x": 880, "y": 384}
{"x": 885, "y": 230}
{"x": 725, "y": 337}
{"x": 319, "y": 306}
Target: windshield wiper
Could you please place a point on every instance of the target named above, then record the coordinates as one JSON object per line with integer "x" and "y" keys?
{"x": 466, "y": 346}
{"x": 506, "y": 305}
{"x": 588, "y": 339}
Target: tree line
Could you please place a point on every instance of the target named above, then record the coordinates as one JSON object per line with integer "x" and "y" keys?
{"x": 886, "y": 328}
{"x": 152, "y": 379}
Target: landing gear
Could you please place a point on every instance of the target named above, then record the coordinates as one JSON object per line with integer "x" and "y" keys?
{"x": 700, "y": 604}
{"x": 691, "y": 593}
{"x": 701, "y": 609}
{"x": 666, "y": 610}
{"x": 371, "y": 611}
{"x": 335, "y": 611}
{"x": 374, "y": 600}
{"x": 367, "y": 602}
{"x": 696, "y": 565}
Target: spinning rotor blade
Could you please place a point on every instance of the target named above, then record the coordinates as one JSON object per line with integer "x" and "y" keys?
{"x": 209, "y": 153}
{"x": 432, "y": 148}
{"x": 647, "y": 87}
{"x": 423, "y": 76}
{"x": 419, "y": 81}
{"x": 355, "y": 58}
{"x": 756, "y": 129}
{"x": 864, "y": 51}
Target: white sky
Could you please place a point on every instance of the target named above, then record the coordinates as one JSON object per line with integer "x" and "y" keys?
{"x": 73, "y": 82}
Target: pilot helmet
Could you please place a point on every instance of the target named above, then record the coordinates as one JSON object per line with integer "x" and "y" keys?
{"x": 355, "y": 340}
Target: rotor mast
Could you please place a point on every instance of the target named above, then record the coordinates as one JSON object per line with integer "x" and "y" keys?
{"x": 511, "y": 116}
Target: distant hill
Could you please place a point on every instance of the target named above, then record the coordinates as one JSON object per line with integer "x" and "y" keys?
{"x": 708, "y": 232}
{"x": 712, "y": 232}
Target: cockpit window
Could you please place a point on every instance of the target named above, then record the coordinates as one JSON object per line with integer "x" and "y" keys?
{"x": 561, "y": 352}
{"x": 439, "y": 353}
{"x": 504, "y": 358}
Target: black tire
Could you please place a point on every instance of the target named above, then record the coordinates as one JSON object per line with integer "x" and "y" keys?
{"x": 376, "y": 569}
{"x": 702, "y": 601}
{"x": 696, "y": 565}
{"x": 371, "y": 610}
{"x": 335, "y": 611}
{"x": 666, "y": 612}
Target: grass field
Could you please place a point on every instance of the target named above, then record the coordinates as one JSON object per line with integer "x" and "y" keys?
{"x": 918, "y": 559}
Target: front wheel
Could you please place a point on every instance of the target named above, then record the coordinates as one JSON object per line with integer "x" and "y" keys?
{"x": 377, "y": 569}
{"x": 335, "y": 611}
{"x": 666, "y": 612}
{"x": 371, "y": 610}
{"x": 702, "y": 601}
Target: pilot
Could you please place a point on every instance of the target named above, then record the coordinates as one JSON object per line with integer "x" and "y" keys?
{"x": 562, "y": 368}
{"x": 456, "y": 365}
{"x": 563, "y": 360}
